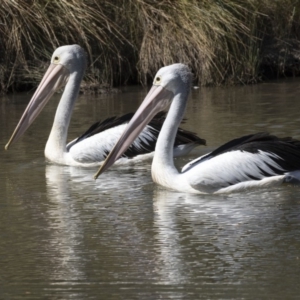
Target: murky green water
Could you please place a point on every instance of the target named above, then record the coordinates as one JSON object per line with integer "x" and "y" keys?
{"x": 65, "y": 236}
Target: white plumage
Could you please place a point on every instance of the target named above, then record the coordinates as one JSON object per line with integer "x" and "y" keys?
{"x": 258, "y": 160}
{"x": 85, "y": 152}
{"x": 67, "y": 68}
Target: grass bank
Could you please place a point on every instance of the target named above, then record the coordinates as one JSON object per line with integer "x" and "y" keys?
{"x": 223, "y": 41}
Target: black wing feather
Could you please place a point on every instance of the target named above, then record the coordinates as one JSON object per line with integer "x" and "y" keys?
{"x": 182, "y": 137}
{"x": 104, "y": 125}
{"x": 287, "y": 150}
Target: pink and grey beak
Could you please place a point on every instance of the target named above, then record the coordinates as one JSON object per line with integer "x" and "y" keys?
{"x": 155, "y": 101}
{"x": 55, "y": 77}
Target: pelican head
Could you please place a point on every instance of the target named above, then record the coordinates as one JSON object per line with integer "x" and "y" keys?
{"x": 65, "y": 62}
{"x": 169, "y": 82}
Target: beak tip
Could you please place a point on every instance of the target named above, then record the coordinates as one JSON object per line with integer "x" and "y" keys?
{"x": 96, "y": 175}
{"x": 6, "y": 146}
{"x": 99, "y": 172}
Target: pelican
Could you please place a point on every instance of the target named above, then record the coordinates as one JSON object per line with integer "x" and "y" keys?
{"x": 67, "y": 68}
{"x": 252, "y": 161}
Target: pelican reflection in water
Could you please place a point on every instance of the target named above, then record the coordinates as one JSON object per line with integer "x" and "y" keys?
{"x": 252, "y": 161}
{"x": 67, "y": 68}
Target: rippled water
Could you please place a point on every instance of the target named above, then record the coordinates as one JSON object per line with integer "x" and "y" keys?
{"x": 65, "y": 236}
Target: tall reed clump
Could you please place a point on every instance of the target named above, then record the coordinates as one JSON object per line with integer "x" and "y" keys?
{"x": 279, "y": 25}
{"x": 32, "y": 29}
{"x": 214, "y": 37}
{"x": 223, "y": 41}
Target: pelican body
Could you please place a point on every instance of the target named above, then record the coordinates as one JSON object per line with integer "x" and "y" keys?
{"x": 67, "y": 68}
{"x": 252, "y": 161}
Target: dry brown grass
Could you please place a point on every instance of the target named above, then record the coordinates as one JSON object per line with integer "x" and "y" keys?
{"x": 128, "y": 40}
{"x": 31, "y": 30}
{"x": 210, "y": 37}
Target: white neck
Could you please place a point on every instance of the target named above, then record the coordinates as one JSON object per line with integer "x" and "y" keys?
{"x": 163, "y": 169}
{"x": 56, "y": 144}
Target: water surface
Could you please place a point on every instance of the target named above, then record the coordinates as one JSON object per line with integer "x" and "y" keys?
{"x": 65, "y": 236}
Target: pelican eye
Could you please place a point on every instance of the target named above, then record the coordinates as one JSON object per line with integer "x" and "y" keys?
{"x": 56, "y": 59}
{"x": 158, "y": 79}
